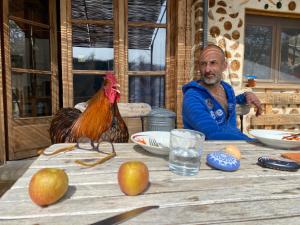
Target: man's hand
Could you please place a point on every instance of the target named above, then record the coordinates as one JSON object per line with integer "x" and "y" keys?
{"x": 252, "y": 99}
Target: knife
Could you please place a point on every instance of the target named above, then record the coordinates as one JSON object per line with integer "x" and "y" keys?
{"x": 120, "y": 218}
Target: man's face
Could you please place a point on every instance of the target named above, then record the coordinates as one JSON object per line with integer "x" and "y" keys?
{"x": 212, "y": 64}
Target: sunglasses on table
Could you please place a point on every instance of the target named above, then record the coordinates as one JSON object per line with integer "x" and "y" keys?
{"x": 84, "y": 143}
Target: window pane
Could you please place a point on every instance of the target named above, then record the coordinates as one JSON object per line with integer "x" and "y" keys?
{"x": 85, "y": 86}
{"x": 150, "y": 11}
{"x": 30, "y": 9}
{"x": 93, "y": 47}
{"x": 29, "y": 46}
{"x": 92, "y": 9}
{"x": 31, "y": 95}
{"x": 146, "y": 48}
{"x": 148, "y": 89}
{"x": 258, "y": 51}
{"x": 290, "y": 55}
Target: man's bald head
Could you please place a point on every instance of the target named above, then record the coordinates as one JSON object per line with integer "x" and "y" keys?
{"x": 213, "y": 46}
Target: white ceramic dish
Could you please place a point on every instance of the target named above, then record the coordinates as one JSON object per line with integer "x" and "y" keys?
{"x": 161, "y": 137}
{"x": 273, "y": 138}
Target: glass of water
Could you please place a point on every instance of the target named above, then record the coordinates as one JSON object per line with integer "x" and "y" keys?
{"x": 185, "y": 151}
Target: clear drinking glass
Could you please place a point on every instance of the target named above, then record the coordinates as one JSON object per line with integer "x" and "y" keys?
{"x": 185, "y": 151}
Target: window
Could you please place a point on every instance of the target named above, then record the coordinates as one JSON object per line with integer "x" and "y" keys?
{"x": 272, "y": 49}
{"x": 30, "y": 58}
{"x": 138, "y": 49}
{"x": 93, "y": 46}
{"x": 146, "y": 51}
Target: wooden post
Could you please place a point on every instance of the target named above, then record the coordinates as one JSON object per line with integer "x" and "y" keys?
{"x": 183, "y": 58}
{"x": 53, "y": 49}
{"x": 122, "y": 62}
{"x": 66, "y": 52}
{"x": 2, "y": 131}
{"x": 8, "y": 75}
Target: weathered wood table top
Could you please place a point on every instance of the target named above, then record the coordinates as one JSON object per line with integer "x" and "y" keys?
{"x": 251, "y": 195}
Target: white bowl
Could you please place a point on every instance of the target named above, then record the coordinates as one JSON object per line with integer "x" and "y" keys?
{"x": 161, "y": 137}
{"x": 273, "y": 138}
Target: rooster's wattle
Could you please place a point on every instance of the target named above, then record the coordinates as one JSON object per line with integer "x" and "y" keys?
{"x": 100, "y": 121}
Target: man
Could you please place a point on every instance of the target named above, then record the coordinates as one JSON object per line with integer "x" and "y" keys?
{"x": 209, "y": 103}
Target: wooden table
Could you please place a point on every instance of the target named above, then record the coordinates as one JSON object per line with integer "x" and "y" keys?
{"x": 251, "y": 195}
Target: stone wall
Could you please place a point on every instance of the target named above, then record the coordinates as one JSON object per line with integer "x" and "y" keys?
{"x": 226, "y": 25}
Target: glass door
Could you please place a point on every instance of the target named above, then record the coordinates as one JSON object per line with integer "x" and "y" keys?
{"x": 31, "y": 73}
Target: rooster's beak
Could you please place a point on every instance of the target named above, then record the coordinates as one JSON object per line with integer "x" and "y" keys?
{"x": 116, "y": 90}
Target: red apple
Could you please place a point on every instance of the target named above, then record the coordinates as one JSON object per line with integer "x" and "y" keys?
{"x": 133, "y": 177}
{"x": 48, "y": 185}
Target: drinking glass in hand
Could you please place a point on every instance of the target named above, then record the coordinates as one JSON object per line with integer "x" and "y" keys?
{"x": 185, "y": 151}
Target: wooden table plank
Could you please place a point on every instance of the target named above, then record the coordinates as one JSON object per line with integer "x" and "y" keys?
{"x": 251, "y": 195}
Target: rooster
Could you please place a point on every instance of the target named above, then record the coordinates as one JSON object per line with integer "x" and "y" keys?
{"x": 100, "y": 121}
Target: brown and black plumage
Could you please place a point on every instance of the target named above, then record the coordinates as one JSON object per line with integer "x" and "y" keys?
{"x": 101, "y": 119}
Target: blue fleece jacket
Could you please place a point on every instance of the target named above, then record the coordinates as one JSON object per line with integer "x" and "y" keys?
{"x": 202, "y": 112}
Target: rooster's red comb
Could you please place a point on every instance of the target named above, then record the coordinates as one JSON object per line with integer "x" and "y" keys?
{"x": 111, "y": 77}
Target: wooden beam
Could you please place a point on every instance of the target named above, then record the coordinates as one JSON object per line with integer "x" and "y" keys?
{"x": 146, "y": 24}
{"x": 279, "y": 98}
{"x": 275, "y": 119}
{"x": 8, "y": 83}
{"x": 2, "y": 130}
{"x": 33, "y": 23}
{"x": 276, "y": 86}
{"x": 94, "y": 72}
{"x": 122, "y": 49}
{"x": 272, "y": 13}
{"x": 66, "y": 52}
{"x": 53, "y": 53}
{"x": 96, "y": 22}
{"x": 171, "y": 56}
{"x": 183, "y": 43}
{"x": 22, "y": 70}
{"x": 146, "y": 73}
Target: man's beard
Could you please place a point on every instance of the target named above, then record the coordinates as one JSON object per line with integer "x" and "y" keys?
{"x": 211, "y": 81}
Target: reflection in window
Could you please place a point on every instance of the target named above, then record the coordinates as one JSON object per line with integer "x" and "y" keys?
{"x": 148, "y": 89}
{"x": 290, "y": 54}
{"x": 151, "y": 11}
{"x": 85, "y": 86}
{"x": 31, "y": 95}
{"x": 29, "y": 46}
{"x": 146, "y": 49}
{"x": 93, "y": 47}
{"x": 30, "y": 9}
{"x": 100, "y": 10}
{"x": 258, "y": 51}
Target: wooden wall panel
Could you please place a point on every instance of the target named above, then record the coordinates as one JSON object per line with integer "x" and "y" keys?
{"x": 36, "y": 138}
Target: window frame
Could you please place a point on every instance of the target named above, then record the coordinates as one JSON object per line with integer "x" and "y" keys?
{"x": 120, "y": 25}
{"x": 278, "y": 22}
{"x": 147, "y": 24}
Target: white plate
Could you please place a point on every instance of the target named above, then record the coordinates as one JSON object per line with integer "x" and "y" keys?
{"x": 162, "y": 137}
{"x": 273, "y": 138}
